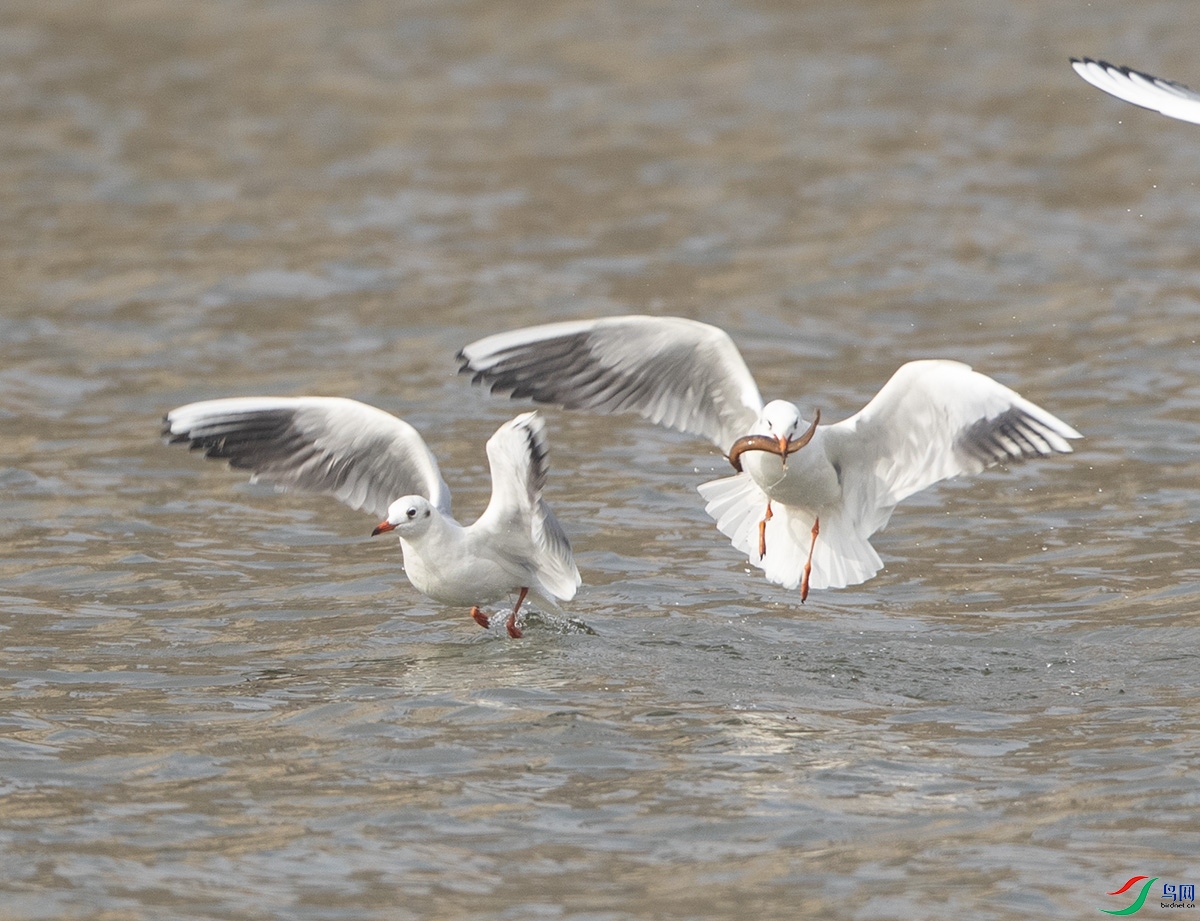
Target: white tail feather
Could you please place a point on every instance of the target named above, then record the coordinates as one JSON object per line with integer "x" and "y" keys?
{"x": 841, "y": 555}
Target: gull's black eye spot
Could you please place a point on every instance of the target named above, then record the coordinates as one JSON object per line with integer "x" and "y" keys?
{"x": 411, "y": 514}
{"x": 426, "y": 513}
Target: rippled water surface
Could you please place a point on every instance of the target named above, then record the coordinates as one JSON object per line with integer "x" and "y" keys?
{"x": 217, "y": 702}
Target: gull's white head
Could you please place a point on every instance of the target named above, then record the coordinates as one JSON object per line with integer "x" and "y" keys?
{"x": 781, "y": 420}
{"x": 408, "y": 516}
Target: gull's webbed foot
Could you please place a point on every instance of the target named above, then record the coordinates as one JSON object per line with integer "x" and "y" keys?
{"x": 511, "y": 624}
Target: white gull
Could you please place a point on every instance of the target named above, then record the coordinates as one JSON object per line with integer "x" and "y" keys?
{"x": 373, "y": 461}
{"x": 934, "y": 419}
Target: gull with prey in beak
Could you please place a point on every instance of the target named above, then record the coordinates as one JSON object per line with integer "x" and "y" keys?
{"x": 934, "y": 419}
{"x": 371, "y": 460}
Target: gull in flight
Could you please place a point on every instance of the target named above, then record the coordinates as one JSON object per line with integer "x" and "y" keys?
{"x": 794, "y": 480}
{"x": 1150, "y": 92}
{"x": 371, "y": 460}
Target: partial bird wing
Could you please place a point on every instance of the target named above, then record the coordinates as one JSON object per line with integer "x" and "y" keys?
{"x": 933, "y": 420}
{"x": 1172, "y": 99}
{"x": 358, "y": 454}
{"x": 518, "y": 455}
{"x": 673, "y": 371}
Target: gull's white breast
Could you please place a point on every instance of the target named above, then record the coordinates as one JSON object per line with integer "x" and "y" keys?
{"x": 810, "y": 481}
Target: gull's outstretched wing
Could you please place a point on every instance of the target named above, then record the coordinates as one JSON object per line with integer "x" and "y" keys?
{"x": 1142, "y": 89}
{"x": 933, "y": 420}
{"x": 517, "y": 518}
{"x": 358, "y": 454}
{"x": 673, "y": 371}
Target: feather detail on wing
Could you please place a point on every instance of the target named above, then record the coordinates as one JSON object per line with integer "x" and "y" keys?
{"x": 933, "y": 420}
{"x": 360, "y": 455}
{"x": 675, "y": 372}
{"x": 518, "y": 455}
{"x": 1165, "y": 96}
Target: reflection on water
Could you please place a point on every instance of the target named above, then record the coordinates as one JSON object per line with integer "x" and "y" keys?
{"x": 224, "y": 702}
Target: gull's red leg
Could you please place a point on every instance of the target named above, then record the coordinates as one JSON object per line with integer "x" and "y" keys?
{"x": 808, "y": 563}
{"x": 762, "y": 531}
{"x": 480, "y": 618}
{"x": 513, "y": 630}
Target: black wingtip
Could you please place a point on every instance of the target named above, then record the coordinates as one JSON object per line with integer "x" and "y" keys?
{"x": 1099, "y": 62}
{"x": 539, "y": 454}
{"x": 172, "y": 437}
{"x": 465, "y": 367}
